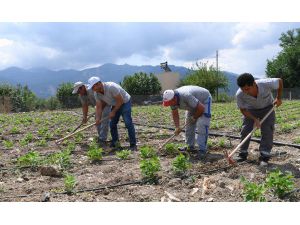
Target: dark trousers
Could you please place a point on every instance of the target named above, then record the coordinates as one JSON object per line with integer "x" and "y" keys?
{"x": 125, "y": 111}
{"x": 267, "y": 131}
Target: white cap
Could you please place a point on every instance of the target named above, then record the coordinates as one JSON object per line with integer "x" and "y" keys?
{"x": 76, "y": 86}
{"x": 168, "y": 95}
{"x": 92, "y": 81}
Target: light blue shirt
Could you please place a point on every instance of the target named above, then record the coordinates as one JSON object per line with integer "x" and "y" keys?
{"x": 111, "y": 90}
{"x": 264, "y": 96}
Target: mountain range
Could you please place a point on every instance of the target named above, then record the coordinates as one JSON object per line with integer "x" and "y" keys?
{"x": 44, "y": 82}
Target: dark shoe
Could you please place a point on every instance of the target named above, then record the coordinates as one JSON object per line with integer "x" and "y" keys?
{"x": 133, "y": 148}
{"x": 187, "y": 149}
{"x": 102, "y": 143}
{"x": 239, "y": 158}
{"x": 263, "y": 161}
{"x": 202, "y": 155}
{"x": 115, "y": 146}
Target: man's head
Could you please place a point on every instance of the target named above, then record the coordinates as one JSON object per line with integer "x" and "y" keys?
{"x": 78, "y": 87}
{"x": 169, "y": 98}
{"x": 95, "y": 84}
{"x": 247, "y": 84}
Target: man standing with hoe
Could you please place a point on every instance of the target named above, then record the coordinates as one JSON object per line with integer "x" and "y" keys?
{"x": 87, "y": 98}
{"x": 110, "y": 93}
{"x": 254, "y": 99}
{"x": 197, "y": 103}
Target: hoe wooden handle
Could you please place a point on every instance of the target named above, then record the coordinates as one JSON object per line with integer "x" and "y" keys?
{"x": 167, "y": 141}
{"x": 249, "y": 135}
{"x": 72, "y": 134}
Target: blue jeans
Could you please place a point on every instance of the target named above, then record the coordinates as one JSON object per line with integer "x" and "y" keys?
{"x": 202, "y": 124}
{"x": 125, "y": 111}
{"x": 103, "y": 127}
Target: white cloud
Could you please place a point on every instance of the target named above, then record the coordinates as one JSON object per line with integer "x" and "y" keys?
{"x": 239, "y": 60}
{"x": 242, "y": 46}
{"x": 5, "y": 42}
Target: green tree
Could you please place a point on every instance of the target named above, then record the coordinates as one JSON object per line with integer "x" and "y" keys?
{"x": 65, "y": 96}
{"x": 206, "y": 76}
{"x": 21, "y": 98}
{"x": 141, "y": 84}
{"x": 286, "y": 64}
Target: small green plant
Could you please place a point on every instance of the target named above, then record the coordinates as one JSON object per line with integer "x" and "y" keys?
{"x": 286, "y": 128}
{"x": 29, "y": 137}
{"x": 14, "y": 130}
{"x": 94, "y": 153}
{"x": 297, "y": 140}
{"x": 222, "y": 143}
{"x": 280, "y": 183}
{"x": 181, "y": 164}
{"x": 23, "y": 142}
{"x": 253, "y": 192}
{"x": 62, "y": 159}
{"x": 124, "y": 154}
{"x": 70, "y": 183}
{"x": 149, "y": 168}
{"x": 171, "y": 148}
{"x": 78, "y": 137}
{"x": 42, "y": 131}
{"x": 147, "y": 152}
{"x": 41, "y": 143}
{"x": 8, "y": 144}
{"x": 31, "y": 159}
{"x": 257, "y": 133}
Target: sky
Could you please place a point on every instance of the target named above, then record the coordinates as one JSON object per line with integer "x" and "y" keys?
{"x": 242, "y": 47}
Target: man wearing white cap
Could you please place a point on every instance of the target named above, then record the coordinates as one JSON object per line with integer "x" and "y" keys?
{"x": 197, "y": 103}
{"x": 87, "y": 98}
{"x": 113, "y": 94}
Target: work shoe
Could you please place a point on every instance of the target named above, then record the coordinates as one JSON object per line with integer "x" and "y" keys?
{"x": 201, "y": 156}
{"x": 133, "y": 148}
{"x": 101, "y": 143}
{"x": 263, "y": 163}
{"x": 239, "y": 158}
{"x": 116, "y": 146}
{"x": 187, "y": 149}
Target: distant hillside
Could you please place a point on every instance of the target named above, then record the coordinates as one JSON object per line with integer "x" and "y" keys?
{"x": 44, "y": 82}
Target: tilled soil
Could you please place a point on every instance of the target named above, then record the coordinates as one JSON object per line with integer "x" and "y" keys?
{"x": 115, "y": 180}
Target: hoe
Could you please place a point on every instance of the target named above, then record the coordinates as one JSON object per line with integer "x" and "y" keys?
{"x": 229, "y": 155}
{"x": 72, "y": 134}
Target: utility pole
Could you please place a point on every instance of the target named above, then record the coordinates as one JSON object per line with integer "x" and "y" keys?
{"x": 217, "y": 64}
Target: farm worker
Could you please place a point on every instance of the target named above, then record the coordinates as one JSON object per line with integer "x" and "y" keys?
{"x": 197, "y": 103}
{"x": 87, "y": 98}
{"x": 110, "y": 93}
{"x": 255, "y": 99}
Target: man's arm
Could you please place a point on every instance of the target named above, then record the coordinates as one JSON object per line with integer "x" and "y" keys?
{"x": 199, "y": 111}
{"x": 278, "y": 101}
{"x": 119, "y": 103}
{"x": 175, "y": 116}
{"x": 98, "y": 111}
{"x": 247, "y": 114}
{"x": 85, "y": 110}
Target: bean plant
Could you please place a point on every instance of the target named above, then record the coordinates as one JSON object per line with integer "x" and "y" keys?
{"x": 149, "y": 168}
{"x": 147, "y": 152}
{"x": 94, "y": 153}
{"x": 124, "y": 154}
{"x": 31, "y": 159}
{"x": 181, "y": 164}
{"x": 253, "y": 192}
{"x": 70, "y": 183}
{"x": 279, "y": 183}
{"x": 8, "y": 144}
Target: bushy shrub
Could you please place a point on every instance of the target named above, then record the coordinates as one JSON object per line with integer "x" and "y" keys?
{"x": 141, "y": 84}
{"x": 65, "y": 96}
